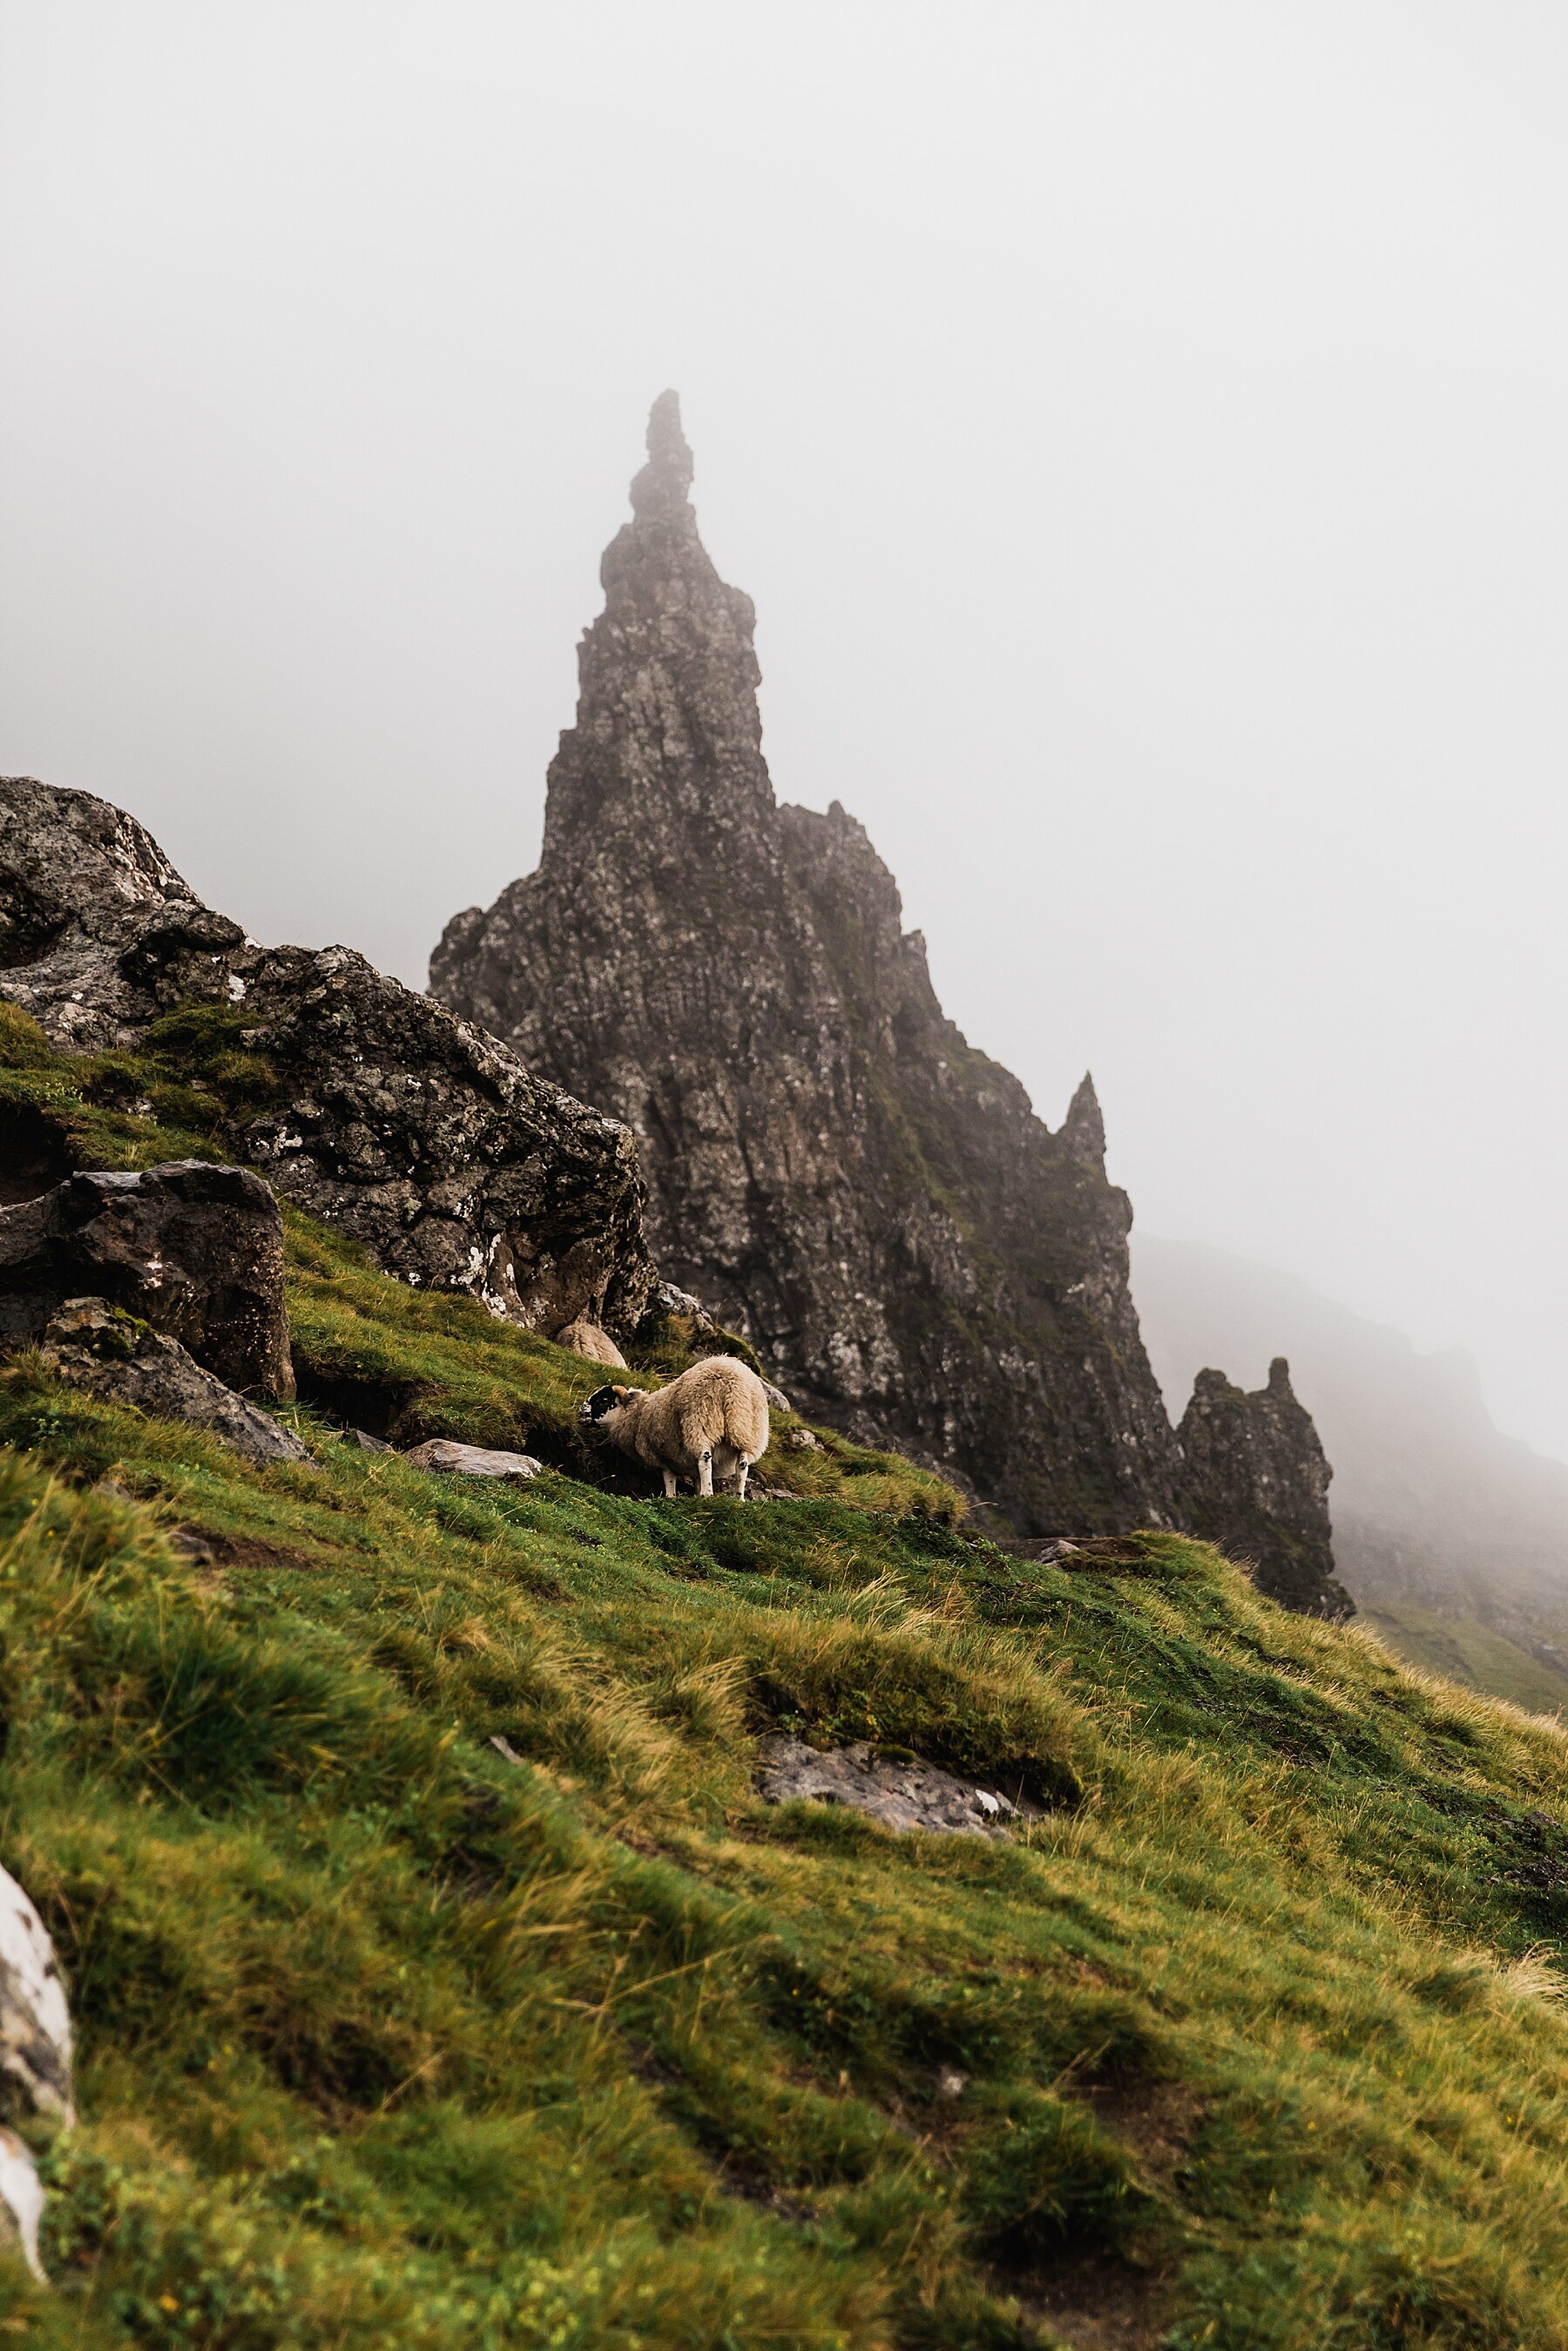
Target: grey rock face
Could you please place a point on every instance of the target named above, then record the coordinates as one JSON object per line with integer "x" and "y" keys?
{"x": 95, "y": 1346}
{"x": 35, "y": 2060}
{"x": 431, "y": 1144}
{"x": 899, "y": 1795}
{"x": 1257, "y": 1485}
{"x": 830, "y": 1165}
{"x": 195, "y": 1250}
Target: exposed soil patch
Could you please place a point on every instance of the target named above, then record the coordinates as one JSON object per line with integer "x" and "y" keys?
{"x": 242, "y": 1555}
{"x": 1158, "y": 2120}
{"x": 1094, "y": 2301}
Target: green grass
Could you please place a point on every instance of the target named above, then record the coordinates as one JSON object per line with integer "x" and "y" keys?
{"x": 1464, "y": 1650}
{"x": 1252, "y": 2039}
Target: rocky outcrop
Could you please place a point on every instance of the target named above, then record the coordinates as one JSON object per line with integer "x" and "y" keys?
{"x": 369, "y": 1106}
{"x": 92, "y": 1345}
{"x": 195, "y": 1250}
{"x": 830, "y": 1166}
{"x": 902, "y": 1796}
{"x": 1257, "y": 1483}
{"x": 34, "y": 2061}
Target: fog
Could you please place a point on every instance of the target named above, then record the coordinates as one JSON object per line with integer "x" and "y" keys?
{"x": 1141, "y": 428}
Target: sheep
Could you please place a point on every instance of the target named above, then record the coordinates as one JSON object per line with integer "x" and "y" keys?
{"x": 585, "y": 1338}
{"x": 713, "y": 1417}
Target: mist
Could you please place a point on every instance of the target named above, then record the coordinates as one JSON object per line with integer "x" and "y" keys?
{"x": 1140, "y": 430}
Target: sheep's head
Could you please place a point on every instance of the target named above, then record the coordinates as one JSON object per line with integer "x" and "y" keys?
{"x": 602, "y": 1400}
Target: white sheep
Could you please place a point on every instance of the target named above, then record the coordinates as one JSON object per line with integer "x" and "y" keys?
{"x": 585, "y": 1338}
{"x": 711, "y": 1420}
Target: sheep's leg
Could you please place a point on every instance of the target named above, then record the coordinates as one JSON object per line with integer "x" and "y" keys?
{"x": 705, "y": 1473}
{"x": 745, "y": 1466}
{"x": 669, "y": 1485}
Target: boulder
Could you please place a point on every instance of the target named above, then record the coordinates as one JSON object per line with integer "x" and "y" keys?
{"x": 195, "y": 1250}
{"x": 446, "y": 1456}
{"x": 35, "y": 2060}
{"x": 98, "y": 1347}
{"x": 899, "y": 1795}
{"x": 371, "y": 1107}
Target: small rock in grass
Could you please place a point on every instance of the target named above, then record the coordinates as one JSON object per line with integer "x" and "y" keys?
{"x": 445, "y": 1455}
{"x": 802, "y": 1440}
{"x": 366, "y": 1442}
{"x": 899, "y": 1795}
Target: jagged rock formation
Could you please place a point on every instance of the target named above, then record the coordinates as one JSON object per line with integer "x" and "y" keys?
{"x": 369, "y": 1107}
{"x": 1257, "y": 1483}
{"x": 829, "y": 1162}
{"x": 196, "y": 1250}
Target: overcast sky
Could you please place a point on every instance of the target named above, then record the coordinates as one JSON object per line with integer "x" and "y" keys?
{"x": 1144, "y": 430}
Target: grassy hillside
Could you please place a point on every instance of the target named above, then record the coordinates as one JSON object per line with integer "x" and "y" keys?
{"x": 1251, "y": 2039}
{"x": 1467, "y": 1651}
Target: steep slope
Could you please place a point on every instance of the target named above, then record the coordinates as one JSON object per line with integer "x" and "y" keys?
{"x": 1435, "y": 1511}
{"x": 828, "y": 1160}
{"x": 439, "y": 1977}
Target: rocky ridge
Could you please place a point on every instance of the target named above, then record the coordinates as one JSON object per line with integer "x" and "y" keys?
{"x": 829, "y": 1164}
{"x": 367, "y": 1105}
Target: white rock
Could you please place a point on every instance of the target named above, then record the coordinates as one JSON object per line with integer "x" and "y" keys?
{"x": 35, "y": 2023}
{"x": 21, "y": 2199}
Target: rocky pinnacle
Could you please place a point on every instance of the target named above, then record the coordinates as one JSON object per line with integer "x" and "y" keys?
{"x": 829, "y": 1164}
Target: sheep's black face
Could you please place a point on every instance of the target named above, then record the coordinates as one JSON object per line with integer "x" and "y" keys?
{"x": 601, "y": 1401}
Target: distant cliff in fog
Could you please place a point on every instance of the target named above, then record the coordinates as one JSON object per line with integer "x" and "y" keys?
{"x": 1432, "y": 1503}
